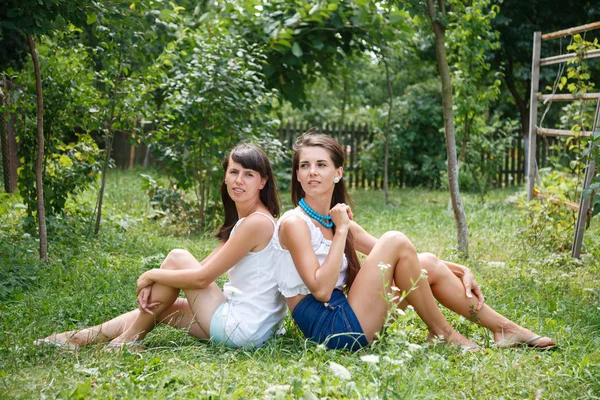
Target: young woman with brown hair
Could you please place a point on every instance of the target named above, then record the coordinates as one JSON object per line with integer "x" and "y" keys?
{"x": 248, "y": 309}
{"x": 317, "y": 262}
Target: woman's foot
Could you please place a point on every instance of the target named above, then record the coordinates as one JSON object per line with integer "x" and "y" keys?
{"x": 522, "y": 337}
{"x": 453, "y": 338}
{"x": 69, "y": 340}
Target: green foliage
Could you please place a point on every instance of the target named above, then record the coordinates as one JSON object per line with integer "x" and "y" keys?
{"x": 476, "y": 87}
{"x": 578, "y": 69}
{"x": 486, "y": 151}
{"x": 550, "y": 223}
{"x": 577, "y": 117}
{"x": 36, "y": 17}
{"x": 303, "y": 39}
{"x": 70, "y": 168}
{"x": 178, "y": 214}
{"x": 71, "y": 156}
{"x": 215, "y": 96}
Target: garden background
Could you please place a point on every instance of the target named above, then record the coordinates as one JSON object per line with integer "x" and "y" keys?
{"x": 140, "y": 102}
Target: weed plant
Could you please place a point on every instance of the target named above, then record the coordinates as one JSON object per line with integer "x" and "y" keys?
{"x": 92, "y": 278}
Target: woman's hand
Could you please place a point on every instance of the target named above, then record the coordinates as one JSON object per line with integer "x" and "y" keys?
{"x": 144, "y": 281}
{"x": 341, "y": 215}
{"x": 472, "y": 288}
{"x": 143, "y": 298}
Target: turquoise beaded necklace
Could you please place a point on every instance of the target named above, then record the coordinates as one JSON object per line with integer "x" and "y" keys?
{"x": 324, "y": 220}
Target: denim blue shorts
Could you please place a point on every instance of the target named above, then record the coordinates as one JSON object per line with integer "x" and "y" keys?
{"x": 332, "y": 323}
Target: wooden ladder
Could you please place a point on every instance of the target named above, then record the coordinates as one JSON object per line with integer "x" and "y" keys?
{"x": 534, "y": 130}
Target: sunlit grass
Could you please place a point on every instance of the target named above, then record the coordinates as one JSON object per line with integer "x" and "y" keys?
{"x": 91, "y": 279}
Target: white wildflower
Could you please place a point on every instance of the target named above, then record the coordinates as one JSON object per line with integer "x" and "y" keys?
{"x": 414, "y": 347}
{"x": 424, "y": 272}
{"x": 393, "y": 361}
{"x": 340, "y": 371}
{"x": 277, "y": 388}
{"x": 496, "y": 263}
{"x": 383, "y": 266}
{"x": 371, "y": 358}
{"x": 395, "y": 288}
{"x": 410, "y": 308}
{"x": 400, "y": 311}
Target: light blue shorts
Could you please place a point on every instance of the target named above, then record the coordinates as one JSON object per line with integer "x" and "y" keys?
{"x": 219, "y": 334}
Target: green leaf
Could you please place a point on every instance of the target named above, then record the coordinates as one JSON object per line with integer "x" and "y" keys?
{"x": 596, "y": 134}
{"x": 563, "y": 82}
{"x": 8, "y": 24}
{"x": 397, "y": 16}
{"x": 284, "y": 42}
{"x": 91, "y": 18}
{"x": 297, "y": 50}
{"x": 65, "y": 161}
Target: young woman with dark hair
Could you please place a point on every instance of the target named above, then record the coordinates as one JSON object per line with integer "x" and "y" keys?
{"x": 317, "y": 262}
{"x": 248, "y": 310}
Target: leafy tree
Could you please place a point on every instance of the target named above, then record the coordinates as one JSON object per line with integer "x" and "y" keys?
{"x": 215, "y": 95}
{"x": 437, "y": 16}
{"x": 32, "y": 18}
{"x": 476, "y": 88}
{"x": 306, "y": 39}
{"x": 71, "y": 158}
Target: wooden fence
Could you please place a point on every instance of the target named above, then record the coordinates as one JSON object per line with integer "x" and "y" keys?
{"x": 354, "y": 138}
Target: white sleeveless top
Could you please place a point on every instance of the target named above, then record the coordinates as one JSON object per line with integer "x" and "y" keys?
{"x": 289, "y": 281}
{"x": 256, "y": 306}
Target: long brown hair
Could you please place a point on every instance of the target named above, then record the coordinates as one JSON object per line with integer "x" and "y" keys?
{"x": 340, "y": 193}
{"x": 250, "y": 157}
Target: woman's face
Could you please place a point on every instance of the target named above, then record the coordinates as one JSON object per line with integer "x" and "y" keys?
{"x": 243, "y": 184}
{"x": 316, "y": 170}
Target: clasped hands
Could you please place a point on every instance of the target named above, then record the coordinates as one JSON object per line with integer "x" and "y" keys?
{"x": 144, "y": 290}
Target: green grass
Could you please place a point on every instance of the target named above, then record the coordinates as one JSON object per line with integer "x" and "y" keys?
{"x": 91, "y": 279}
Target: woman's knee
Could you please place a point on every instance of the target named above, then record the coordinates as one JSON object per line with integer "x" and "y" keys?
{"x": 432, "y": 264}
{"x": 177, "y": 259}
{"x": 398, "y": 241}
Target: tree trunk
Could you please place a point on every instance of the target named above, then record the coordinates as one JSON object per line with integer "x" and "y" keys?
{"x": 457, "y": 206}
{"x": 10, "y": 160}
{"x": 386, "y": 156}
{"x": 110, "y": 139}
{"x": 40, "y": 153}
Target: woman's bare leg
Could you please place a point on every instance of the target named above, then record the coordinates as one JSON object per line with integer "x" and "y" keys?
{"x": 178, "y": 315}
{"x": 202, "y": 302}
{"x": 368, "y": 295}
{"x": 448, "y": 289}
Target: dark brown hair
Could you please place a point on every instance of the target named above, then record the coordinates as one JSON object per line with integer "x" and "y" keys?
{"x": 340, "y": 193}
{"x": 250, "y": 157}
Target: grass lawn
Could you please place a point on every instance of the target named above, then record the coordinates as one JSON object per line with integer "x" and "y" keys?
{"x": 91, "y": 279}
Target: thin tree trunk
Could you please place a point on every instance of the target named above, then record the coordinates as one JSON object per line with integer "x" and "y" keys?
{"x": 386, "y": 156}
{"x": 110, "y": 137}
{"x": 40, "y": 153}
{"x": 462, "y": 231}
{"x": 10, "y": 183}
